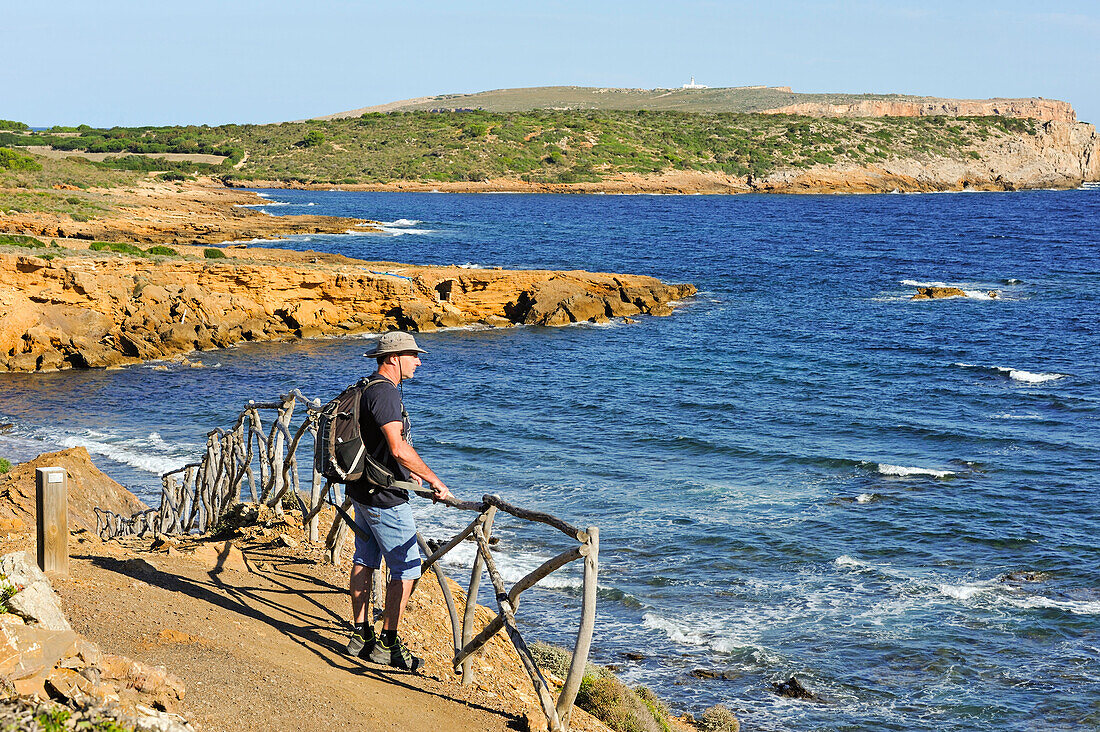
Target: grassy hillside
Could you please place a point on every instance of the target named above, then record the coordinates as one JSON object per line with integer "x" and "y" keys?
{"x": 539, "y": 146}
{"x": 721, "y": 99}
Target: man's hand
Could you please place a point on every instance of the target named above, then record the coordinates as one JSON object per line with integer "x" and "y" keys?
{"x": 441, "y": 492}
{"x": 417, "y": 479}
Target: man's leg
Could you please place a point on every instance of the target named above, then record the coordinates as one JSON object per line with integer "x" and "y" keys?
{"x": 395, "y": 531}
{"x": 397, "y": 597}
{"x": 367, "y": 557}
{"x": 362, "y": 579}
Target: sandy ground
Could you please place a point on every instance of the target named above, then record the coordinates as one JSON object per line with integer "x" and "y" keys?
{"x": 259, "y": 650}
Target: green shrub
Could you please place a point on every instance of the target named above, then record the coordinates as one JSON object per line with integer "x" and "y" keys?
{"x": 12, "y": 160}
{"x": 618, "y": 706}
{"x": 7, "y": 124}
{"x": 554, "y": 659}
{"x": 18, "y": 240}
{"x": 5, "y": 465}
{"x": 213, "y": 253}
{"x": 117, "y": 246}
{"x": 162, "y": 250}
{"x": 719, "y": 719}
{"x": 172, "y": 175}
{"x": 313, "y": 138}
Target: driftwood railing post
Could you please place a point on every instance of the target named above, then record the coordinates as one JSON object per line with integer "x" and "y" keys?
{"x": 485, "y": 526}
{"x": 196, "y": 496}
{"x": 52, "y": 519}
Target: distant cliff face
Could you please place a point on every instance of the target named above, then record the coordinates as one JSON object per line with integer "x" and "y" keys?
{"x": 1046, "y": 110}
{"x": 1058, "y": 155}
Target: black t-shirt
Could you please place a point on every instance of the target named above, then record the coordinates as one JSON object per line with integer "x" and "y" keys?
{"x": 381, "y": 404}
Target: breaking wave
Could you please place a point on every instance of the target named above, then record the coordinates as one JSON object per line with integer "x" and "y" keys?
{"x": 902, "y": 471}
{"x": 1028, "y": 377}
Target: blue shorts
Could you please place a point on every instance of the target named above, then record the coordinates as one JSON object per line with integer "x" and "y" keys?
{"x": 393, "y": 536}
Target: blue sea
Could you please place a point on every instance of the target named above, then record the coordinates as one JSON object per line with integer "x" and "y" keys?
{"x": 800, "y": 472}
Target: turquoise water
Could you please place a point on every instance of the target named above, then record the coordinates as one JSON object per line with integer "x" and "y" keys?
{"x": 799, "y": 472}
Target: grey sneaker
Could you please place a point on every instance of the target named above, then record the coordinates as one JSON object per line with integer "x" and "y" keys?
{"x": 362, "y": 641}
{"x": 396, "y": 655}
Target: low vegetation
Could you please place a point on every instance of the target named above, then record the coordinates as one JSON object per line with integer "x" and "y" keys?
{"x": 620, "y": 707}
{"x": 211, "y": 253}
{"x": 539, "y": 145}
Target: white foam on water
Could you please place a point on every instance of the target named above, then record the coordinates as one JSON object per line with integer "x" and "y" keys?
{"x": 1028, "y": 377}
{"x": 150, "y": 454}
{"x": 918, "y": 283}
{"x": 718, "y": 640}
{"x": 471, "y": 265}
{"x": 902, "y": 471}
{"x": 1077, "y": 607}
{"x": 979, "y": 295}
{"x": 1006, "y": 415}
{"x": 1032, "y": 377}
{"x": 846, "y": 561}
{"x": 513, "y": 567}
{"x": 400, "y": 222}
{"x": 966, "y": 591}
{"x": 865, "y": 497}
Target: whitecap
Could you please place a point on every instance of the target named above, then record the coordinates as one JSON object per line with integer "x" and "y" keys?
{"x": 1007, "y": 415}
{"x": 1077, "y": 607}
{"x": 719, "y": 641}
{"x": 903, "y": 471}
{"x": 150, "y": 454}
{"x": 400, "y": 222}
{"x": 965, "y": 591}
{"x": 918, "y": 283}
{"x": 846, "y": 561}
{"x": 865, "y": 497}
{"x": 1030, "y": 377}
{"x": 471, "y": 265}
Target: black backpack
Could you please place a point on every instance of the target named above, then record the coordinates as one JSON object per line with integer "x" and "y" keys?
{"x": 340, "y": 455}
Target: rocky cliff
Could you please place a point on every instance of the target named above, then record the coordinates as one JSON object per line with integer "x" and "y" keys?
{"x": 85, "y": 309}
{"x": 1059, "y": 155}
{"x": 1046, "y": 110}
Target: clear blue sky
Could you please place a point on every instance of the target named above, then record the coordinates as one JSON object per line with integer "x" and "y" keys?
{"x": 122, "y": 62}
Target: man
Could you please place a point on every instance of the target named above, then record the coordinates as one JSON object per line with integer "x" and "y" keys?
{"x": 385, "y": 513}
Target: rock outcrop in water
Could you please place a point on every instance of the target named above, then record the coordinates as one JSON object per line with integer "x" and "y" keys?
{"x": 86, "y": 309}
{"x": 936, "y": 293}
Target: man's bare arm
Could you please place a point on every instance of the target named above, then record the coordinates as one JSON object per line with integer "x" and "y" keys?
{"x": 406, "y": 455}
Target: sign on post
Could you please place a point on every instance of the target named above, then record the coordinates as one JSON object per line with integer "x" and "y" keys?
{"x": 52, "y": 505}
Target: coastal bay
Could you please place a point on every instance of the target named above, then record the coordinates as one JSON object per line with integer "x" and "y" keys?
{"x": 801, "y": 471}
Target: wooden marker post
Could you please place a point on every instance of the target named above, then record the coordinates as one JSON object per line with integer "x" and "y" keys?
{"x": 52, "y": 504}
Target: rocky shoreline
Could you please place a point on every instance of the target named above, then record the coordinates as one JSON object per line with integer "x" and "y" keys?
{"x": 85, "y": 309}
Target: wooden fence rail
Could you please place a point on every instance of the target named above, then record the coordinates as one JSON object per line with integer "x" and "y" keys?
{"x": 196, "y": 496}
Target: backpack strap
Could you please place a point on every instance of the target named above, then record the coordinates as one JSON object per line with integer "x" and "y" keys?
{"x": 407, "y": 485}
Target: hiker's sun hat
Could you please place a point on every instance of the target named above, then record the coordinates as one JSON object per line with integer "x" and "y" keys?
{"x": 396, "y": 341}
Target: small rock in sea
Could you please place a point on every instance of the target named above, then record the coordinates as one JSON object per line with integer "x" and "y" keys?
{"x": 1024, "y": 576}
{"x": 934, "y": 293}
{"x": 6, "y": 427}
{"x": 993, "y": 294}
{"x": 794, "y": 689}
{"x": 704, "y": 673}
{"x": 634, "y": 656}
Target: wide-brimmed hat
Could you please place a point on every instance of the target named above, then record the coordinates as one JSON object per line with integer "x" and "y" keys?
{"x": 396, "y": 341}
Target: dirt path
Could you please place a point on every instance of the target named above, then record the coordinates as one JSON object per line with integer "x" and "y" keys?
{"x": 259, "y": 650}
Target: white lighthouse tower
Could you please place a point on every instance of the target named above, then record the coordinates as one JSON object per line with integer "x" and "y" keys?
{"x": 693, "y": 85}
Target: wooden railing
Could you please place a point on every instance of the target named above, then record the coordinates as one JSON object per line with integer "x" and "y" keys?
{"x": 195, "y": 497}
